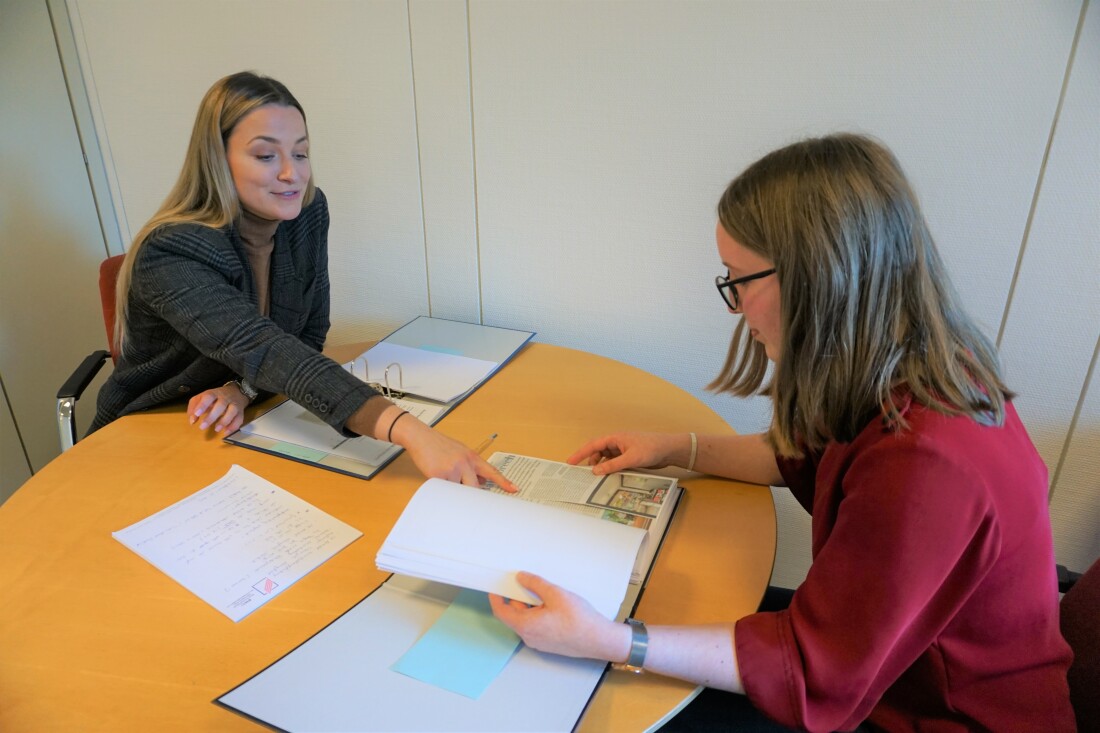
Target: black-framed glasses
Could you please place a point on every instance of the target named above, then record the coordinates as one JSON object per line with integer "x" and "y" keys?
{"x": 728, "y": 290}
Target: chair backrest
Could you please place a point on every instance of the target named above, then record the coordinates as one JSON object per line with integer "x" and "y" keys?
{"x": 108, "y": 281}
{"x": 1080, "y": 621}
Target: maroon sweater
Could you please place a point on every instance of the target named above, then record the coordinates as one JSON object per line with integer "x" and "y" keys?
{"x": 931, "y": 603}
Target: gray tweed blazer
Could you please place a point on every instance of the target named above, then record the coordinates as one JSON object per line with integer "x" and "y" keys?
{"x": 194, "y": 323}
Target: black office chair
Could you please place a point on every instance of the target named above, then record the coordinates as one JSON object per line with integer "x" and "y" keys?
{"x": 1080, "y": 620}
{"x": 75, "y": 385}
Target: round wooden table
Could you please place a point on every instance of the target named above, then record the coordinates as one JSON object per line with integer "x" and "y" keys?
{"x": 94, "y": 638}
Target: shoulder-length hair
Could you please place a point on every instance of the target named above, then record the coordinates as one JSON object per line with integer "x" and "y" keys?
{"x": 866, "y": 305}
{"x": 205, "y": 193}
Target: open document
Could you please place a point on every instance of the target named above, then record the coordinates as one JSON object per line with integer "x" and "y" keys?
{"x": 343, "y": 678}
{"x": 432, "y": 375}
{"x": 294, "y": 431}
{"x": 477, "y": 539}
{"x": 426, "y": 367}
{"x": 349, "y": 676}
{"x": 639, "y": 500}
{"x": 239, "y": 542}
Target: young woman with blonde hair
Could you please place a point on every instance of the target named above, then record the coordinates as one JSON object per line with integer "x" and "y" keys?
{"x": 225, "y": 292}
{"x": 931, "y": 602}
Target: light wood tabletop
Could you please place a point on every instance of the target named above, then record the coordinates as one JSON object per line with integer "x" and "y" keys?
{"x": 92, "y": 637}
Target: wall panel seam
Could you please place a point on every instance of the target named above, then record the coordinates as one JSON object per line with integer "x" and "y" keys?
{"x": 1042, "y": 173}
{"x": 81, "y": 134}
{"x": 419, "y": 158}
{"x": 15, "y": 425}
{"x": 1073, "y": 421}
{"x": 473, "y": 167}
{"x": 99, "y": 124}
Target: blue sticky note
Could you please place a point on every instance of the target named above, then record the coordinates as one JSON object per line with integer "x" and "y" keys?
{"x": 464, "y": 650}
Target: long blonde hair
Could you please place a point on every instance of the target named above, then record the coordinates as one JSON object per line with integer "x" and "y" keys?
{"x": 866, "y": 305}
{"x": 204, "y": 193}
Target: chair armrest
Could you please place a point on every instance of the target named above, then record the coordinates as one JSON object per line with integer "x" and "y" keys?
{"x": 1066, "y": 578}
{"x": 80, "y": 379}
{"x": 70, "y": 392}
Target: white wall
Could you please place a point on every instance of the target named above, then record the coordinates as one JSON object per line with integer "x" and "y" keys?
{"x": 1052, "y": 327}
{"x": 16, "y": 467}
{"x": 50, "y": 245}
{"x": 147, "y": 65}
{"x": 555, "y": 165}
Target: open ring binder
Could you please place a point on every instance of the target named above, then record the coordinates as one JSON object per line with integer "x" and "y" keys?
{"x": 360, "y": 368}
{"x": 432, "y": 366}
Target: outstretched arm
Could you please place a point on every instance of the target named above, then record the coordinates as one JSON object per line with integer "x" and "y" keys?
{"x": 435, "y": 454}
{"x": 740, "y": 457}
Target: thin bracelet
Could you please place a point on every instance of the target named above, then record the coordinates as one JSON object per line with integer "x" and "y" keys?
{"x": 694, "y": 451}
{"x": 389, "y": 433}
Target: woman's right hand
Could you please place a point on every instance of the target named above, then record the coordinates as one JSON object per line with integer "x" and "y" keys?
{"x": 439, "y": 456}
{"x": 223, "y": 407}
{"x": 435, "y": 454}
{"x": 620, "y": 451}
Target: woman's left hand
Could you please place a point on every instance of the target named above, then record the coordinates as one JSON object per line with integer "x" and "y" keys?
{"x": 222, "y": 407}
{"x": 564, "y": 624}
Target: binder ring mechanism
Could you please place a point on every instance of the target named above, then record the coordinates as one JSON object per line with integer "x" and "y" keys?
{"x": 385, "y": 387}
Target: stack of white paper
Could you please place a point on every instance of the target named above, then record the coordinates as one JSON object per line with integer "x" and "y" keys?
{"x": 477, "y": 539}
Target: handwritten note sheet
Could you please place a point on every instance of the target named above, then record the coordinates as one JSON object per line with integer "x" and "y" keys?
{"x": 239, "y": 542}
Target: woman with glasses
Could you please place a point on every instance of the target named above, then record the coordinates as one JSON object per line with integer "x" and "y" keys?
{"x": 931, "y": 602}
{"x": 224, "y": 293}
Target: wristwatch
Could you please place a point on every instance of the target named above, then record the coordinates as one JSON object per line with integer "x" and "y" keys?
{"x": 639, "y": 644}
{"x": 246, "y": 389}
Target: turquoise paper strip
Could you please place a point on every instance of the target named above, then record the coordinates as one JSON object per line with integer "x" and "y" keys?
{"x": 306, "y": 454}
{"x": 441, "y": 350}
{"x": 464, "y": 650}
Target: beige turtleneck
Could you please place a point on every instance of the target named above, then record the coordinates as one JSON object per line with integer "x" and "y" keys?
{"x": 258, "y": 236}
